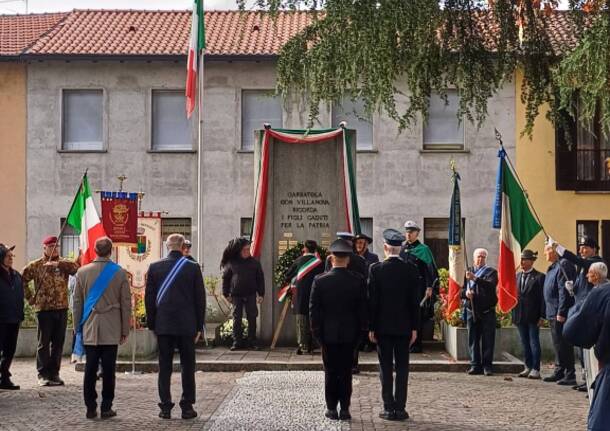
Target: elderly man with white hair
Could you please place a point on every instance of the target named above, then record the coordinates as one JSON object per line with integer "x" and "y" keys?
{"x": 480, "y": 299}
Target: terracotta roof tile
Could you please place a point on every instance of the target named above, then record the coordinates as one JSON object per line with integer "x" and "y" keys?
{"x": 150, "y": 33}
{"x": 17, "y": 32}
{"x": 166, "y": 33}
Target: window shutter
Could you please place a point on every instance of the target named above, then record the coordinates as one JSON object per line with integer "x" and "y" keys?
{"x": 565, "y": 154}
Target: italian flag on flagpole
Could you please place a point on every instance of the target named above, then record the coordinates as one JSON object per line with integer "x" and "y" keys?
{"x": 195, "y": 54}
{"x": 84, "y": 219}
{"x": 518, "y": 226}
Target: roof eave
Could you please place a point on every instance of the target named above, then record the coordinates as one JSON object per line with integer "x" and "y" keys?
{"x": 144, "y": 57}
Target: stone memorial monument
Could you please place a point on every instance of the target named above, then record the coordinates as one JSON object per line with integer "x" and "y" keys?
{"x": 308, "y": 196}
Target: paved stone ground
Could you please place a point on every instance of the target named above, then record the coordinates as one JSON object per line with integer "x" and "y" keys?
{"x": 294, "y": 400}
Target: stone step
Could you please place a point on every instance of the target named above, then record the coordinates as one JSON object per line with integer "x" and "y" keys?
{"x": 509, "y": 365}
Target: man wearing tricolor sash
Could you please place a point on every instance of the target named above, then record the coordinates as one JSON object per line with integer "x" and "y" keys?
{"x": 175, "y": 311}
{"x": 301, "y": 275}
{"x": 101, "y": 310}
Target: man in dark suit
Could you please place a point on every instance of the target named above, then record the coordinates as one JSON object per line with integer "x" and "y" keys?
{"x": 303, "y": 271}
{"x": 559, "y": 277}
{"x": 480, "y": 299}
{"x": 356, "y": 263}
{"x": 529, "y": 313}
{"x": 175, "y": 311}
{"x": 394, "y": 287}
{"x": 338, "y": 313}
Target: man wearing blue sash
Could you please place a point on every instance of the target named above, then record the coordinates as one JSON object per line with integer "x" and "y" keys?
{"x": 175, "y": 311}
{"x": 101, "y": 310}
{"x": 480, "y": 299}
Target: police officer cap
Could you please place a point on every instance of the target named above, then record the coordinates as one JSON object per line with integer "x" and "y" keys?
{"x": 587, "y": 241}
{"x": 393, "y": 237}
{"x": 340, "y": 246}
{"x": 345, "y": 235}
{"x": 528, "y": 254}
{"x": 411, "y": 225}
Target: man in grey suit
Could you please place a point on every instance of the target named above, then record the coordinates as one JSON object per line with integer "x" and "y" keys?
{"x": 101, "y": 310}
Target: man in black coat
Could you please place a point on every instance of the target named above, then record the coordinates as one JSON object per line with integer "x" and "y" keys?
{"x": 11, "y": 314}
{"x": 529, "y": 313}
{"x": 303, "y": 271}
{"x": 175, "y": 311}
{"x": 338, "y": 313}
{"x": 393, "y": 287}
{"x": 480, "y": 299}
{"x": 356, "y": 263}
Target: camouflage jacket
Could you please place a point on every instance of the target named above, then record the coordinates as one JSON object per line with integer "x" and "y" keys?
{"x": 50, "y": 284}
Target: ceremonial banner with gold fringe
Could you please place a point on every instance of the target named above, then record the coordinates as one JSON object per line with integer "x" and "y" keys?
{"x": 120, "y": 217}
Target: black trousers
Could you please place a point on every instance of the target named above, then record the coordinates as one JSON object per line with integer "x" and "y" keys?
{"x": 393, "y": 352}
{"x": 186, "y": 347}
{"x": 482, "y": 339}
{"x": 338, "y": 360}
{"x": 51, "y": 335}
{"x": 106, "y": 355}
{"x": 249, "y": 304}
{"x": 8, "y": 343}
{"x": 564, "y": 351}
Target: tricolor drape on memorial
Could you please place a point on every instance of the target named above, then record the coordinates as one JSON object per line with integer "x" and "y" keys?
{"x": 518, "y": 226}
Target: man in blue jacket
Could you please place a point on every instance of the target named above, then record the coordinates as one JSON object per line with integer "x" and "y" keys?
{"x": 589, "y": 327}
{"x": 557, "y": 303}
{"x": 175, "y": 311}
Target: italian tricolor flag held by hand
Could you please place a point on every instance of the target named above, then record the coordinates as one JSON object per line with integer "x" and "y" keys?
{"x": 84, "y": 219}
{"x": 196, "y": 48}
{"x": 518, "y": 226}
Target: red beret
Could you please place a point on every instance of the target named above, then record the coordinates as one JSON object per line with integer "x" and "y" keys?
{"x": 49, "y": 240}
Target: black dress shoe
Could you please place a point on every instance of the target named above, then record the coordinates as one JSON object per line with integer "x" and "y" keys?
{"x": 106, "y": 414}
{"x": 355, "y": 370}
{"x": 583, "y": 388}
{"x": 401, "y": 415}
{"x": 165, "y": 414}
{"x": 388, "y": 415}
{"x": 567, "y": 381}
{"x": 299, "y": 351}
{"x": 345, "y": 415}
{"x": 332, "y": 414}
{"x": 91, "y": 414}
{"x": 474, "y": 371}
{"x": 7, "y": 384}
{"x": 415, "y": 349}
{"x": 189, "y": 414}
{"x": 553, "y": 378}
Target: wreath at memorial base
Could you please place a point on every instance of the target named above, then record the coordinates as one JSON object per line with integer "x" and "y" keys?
{"x": 287, "y": 259}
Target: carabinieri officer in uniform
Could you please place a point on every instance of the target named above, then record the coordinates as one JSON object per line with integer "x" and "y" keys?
{"x": 394, "y": 287}
{"x": 338, "y": 314}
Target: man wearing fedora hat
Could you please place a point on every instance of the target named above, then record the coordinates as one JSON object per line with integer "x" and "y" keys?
{"x": 11, "y": 314}
{"x": 361, "y": 244}
{"x": 529, "y": 312}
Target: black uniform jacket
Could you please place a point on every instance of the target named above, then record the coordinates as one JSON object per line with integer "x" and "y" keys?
{"x": 530, "y": 306}
{"x": 338, "y": 308}
{"x": 356, "y": 264}
{"x": 182, "y": 310}
{"x": 301, "y": 299}
{"x": 393, "y": 297}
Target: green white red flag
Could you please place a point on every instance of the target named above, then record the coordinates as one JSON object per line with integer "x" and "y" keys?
{"x": 303, "y": 270}
{"x": 84, "y": 219}
{"x": 518, "y": 226}
{"x": 196, "y": 48}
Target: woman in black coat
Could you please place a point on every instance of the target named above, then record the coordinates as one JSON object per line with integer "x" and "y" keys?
{"x": 11, "y": 314}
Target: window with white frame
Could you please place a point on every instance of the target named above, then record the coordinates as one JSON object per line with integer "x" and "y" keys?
{"x": 82, "y": 120}
{"x": 353, "y": 113}
{"x": 443, "y": 130}
{"x": 170, "y": 129}
{"x": 171, "y": 225}
{"x": 257, "y": 108}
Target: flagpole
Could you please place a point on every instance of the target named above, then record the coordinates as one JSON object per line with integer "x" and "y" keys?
{"x": 200, "y": 154}
{"x": 527, "y": 197}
